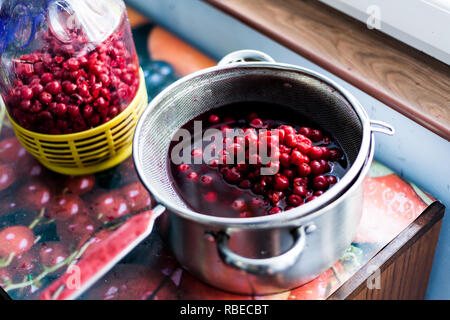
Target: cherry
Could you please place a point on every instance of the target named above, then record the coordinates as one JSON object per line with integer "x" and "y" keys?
{"x": 16, "y": 239}
{"x": 78, "y": 229}
{"x": 285, "y": 159}
{"x": 35, "y": 195}
{"x": 80, "y": 184}
{"x": 275, "y": 210}
{"x": 110, "y": 206}
{"x": 245, "y": 184}
{"x": 26, "y": 93}
{"x": 53, "y": 87}
{"x": 298, "y": 158}
{"x": 304, "y": 170}
{"x": 65, "y": 207}
{"x": 239, "y": 205}
{"x": 305, "y": 131}
{"x": 138, "y": 197}
{"x": 52, "y": 253}
{"x": 320, "y": 183}
{"x": 334, "y": 155}
{"x": 45, "y": 97}
{"x": 316, "y": 135}
{"x": 7, "y": 176}
{"x": 300, "y": 190}
{"x": 295, "y": 200}
{"x": 257, "y": 123}
{"x": 184, "y": 167}
{"x": 213, "y": 119}
{"x": 316, "y": 167}
{"x": 281, "y": 182}
{"x": 331, "y": 180}
{"x": 245, "y": 214}
{"x": 315, "y": 153}
{"x": 290, "y": 140}
{"x": 11, "y": 151}
{"x": 206, "y": 180}
{"x": 46, "y": 78}
{"x": 25, "y": 263}
{"x": 210, "y": 196}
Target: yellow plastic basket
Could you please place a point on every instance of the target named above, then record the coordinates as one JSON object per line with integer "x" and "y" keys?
{"x": 88, "y": 151}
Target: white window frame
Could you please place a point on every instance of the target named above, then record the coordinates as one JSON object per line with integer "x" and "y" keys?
{"x": 422, "y": 24}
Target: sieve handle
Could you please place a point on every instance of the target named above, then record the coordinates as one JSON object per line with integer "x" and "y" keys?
{"x": 381, "y": 127}
{"x": 266, "y": 266}
{"x": 245, "y": 56}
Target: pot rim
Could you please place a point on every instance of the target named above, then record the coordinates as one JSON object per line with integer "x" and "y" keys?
{"x": 312, "y": 208}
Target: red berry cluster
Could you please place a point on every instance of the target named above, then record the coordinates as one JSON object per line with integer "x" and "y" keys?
{"x": 300, "y": 162}
{"x": 62, "y": 88}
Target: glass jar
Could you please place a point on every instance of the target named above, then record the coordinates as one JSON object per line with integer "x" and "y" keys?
{"x": 66, "y": 65}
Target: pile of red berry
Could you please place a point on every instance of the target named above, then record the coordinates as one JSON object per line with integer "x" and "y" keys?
{"x": 301, "y": 162}
{"x": 65, "y": 88}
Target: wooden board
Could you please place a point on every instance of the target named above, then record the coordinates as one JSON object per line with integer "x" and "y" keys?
{"x": 405, "y": 79}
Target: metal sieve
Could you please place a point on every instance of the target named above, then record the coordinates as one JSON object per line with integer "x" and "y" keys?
{"x": 272, "y": 253}
{"x": 241, "y": 77}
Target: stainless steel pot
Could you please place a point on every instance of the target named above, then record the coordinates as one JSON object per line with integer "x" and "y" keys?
{"x": 265, "y": 254}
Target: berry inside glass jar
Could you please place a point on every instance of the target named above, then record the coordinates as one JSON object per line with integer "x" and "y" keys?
{"x": 251, "y": 159}
{"x": 68, "y": 87}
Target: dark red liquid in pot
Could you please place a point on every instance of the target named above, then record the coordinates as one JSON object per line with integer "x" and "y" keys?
{"x": 306, "y": 164}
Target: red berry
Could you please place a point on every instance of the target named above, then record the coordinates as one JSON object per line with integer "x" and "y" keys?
{"x": 7, "y": 176}
{"x": 184, "y": 168}
{"x": 210, "y": 196}
{"x": 35, "y": 195}
{"x": 305, "y": 131}
{"x": 257, "y": 123}
{"x": 239, "y": 205}
{"x": 26, "y": 93}
{"x": 275, "y": 210}
{"x": 334, "y": 155}
{"x": 320, "y": 183}
{"x": 138, "y": 197}
{"x": 192, "y": 176}
{"x": 80, "y": 184}
{"x": 290, "y": 140}
{"x": 295, "y": 200}
{"x": 304, "y": 170}
{"x": 65, "y": 207}
{"x": 332, "y": 180}
{"x": 52, "y": 253}
{"x": 298, "y": 158}
{"x": 316, "y": 135}
{"x": 45, "y": 97}
{"x": 17, "y": 240}
{"x": 315, "y": 153}
{"x": 281, "y": 182}
{"x": 11, "y": 151}
{"x": 110, "y": 206}
{"x": 316, "y": 167}
{"x": 207, "y": 180}
{"x": 213, "y": 119}
{"x": 46, "y": 78}
{"x": 285, "y": 159}
{"x": 53, "y": 87}
{"x": 300, "y": 190}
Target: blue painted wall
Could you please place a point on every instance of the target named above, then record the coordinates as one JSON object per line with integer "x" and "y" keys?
{"x": 408, "y": 153}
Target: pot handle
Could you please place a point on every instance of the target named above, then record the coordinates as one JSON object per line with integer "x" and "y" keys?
{"x": 245, "y": 56}
{"x": 382, "y": 127}
{"x": 267, "y": 266}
